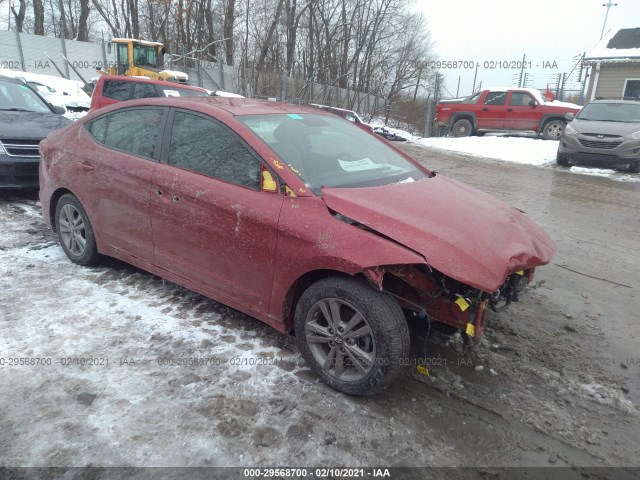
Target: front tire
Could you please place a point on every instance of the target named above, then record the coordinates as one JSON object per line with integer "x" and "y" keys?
{"x": 561, "y": 160}
{"x": 353, "y": 337}
{"x": 553, "y": 130}
{"x": 462, "y": 128}
{"x": 75, "y": 231}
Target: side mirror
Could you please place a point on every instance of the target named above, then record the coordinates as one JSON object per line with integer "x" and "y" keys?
{"x": 58, "y": 110}
{"x": 532, "y": 103}
{"x": 267, "y": 182}
{"x": 569, "y": 116}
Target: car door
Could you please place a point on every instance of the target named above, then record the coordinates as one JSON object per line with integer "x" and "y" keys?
{"x": 520, "y": 115}
{"x": 212, "y": 225}
{"x": 491, "y": 115}
{"x": 120, "y": 170}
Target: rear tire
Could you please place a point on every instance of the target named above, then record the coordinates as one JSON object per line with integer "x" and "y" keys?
{"x": 462, "y": 128}
{"x": 634, "y": 167}
{"x": 353, "y": 337}
{"x": 75, "y": 231}
{"x": 553, "y": 130}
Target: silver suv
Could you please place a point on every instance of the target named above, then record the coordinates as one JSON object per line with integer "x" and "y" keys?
{"x": 605, "y": 131}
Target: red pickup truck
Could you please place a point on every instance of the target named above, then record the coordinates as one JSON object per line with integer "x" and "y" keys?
{"x": 504, "y": 110}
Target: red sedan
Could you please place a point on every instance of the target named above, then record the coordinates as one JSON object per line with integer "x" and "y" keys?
{"x": 291, "y": 215}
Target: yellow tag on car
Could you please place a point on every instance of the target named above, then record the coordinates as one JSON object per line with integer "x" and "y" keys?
{"x": 423, "y": 370}
{"x": 471, "y": 329}
{"x": 462, "y": 303}
{"x": 521, "y": 272}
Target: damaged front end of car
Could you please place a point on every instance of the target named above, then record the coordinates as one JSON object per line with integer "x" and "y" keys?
{"x": 438, "y": 298}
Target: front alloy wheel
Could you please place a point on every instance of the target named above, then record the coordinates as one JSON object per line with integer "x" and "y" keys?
{"x": 352, "y": 336}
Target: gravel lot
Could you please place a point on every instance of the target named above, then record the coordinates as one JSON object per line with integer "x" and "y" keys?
{"x": 554, "y": 382}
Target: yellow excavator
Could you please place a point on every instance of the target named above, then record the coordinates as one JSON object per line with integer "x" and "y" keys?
{"x": 138, "y": 58}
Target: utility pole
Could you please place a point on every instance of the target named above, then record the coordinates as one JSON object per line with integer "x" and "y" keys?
{"x": 608, "y": 5}
{"x": 475, "y": 75}
{"x": 524, "y": 56}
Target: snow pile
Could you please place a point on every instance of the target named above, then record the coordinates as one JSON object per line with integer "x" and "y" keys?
{"x": 527, "y": 151}
{"x": 604, "y": 172}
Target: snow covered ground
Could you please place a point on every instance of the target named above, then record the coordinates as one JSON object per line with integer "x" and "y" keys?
{"x": 523, "y": 150}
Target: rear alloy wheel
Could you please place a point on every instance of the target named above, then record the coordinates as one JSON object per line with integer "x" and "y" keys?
{"x": 353, "y": 337}
{"x": 553, "y": 130}
{"x": 462, "y": 128}
{"x": 75, "y": 232}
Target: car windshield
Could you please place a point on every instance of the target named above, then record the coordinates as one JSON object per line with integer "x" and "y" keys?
{"x": 327, "y": 151}
{"x": 19, "y": 97}
{"x": 611, "y": 112}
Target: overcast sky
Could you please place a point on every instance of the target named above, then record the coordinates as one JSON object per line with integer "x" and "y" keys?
{"x": 504, "y": 30}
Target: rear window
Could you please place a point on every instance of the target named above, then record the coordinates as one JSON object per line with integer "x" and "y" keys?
{"x": 117, "y": 90}
{"x": 181, "y": 92}
{"x": 132, "y": 130}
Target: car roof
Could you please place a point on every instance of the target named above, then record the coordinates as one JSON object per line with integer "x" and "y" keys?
{"x": 162, "y": 83}
{"x": 615, "y": 100}
{"x": 12, "y": 79}
{"x": 233, "y": 106}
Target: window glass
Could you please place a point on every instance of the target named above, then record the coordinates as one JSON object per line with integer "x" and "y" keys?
{"x": 472, "y": 99}
{"x": 632, "y": 88}
{"x": 16, "y": 96}
{"x": 496, "y": 98}
{"x": 98, "y": 128}
{"x": 205, "y": 146}
{"x": 182, "y": 92}
{"x": 324, "y": 150}
{"x": 520, "y": 99}
{"x": 134, "y": 130}
{"x": 117, "y": 90}
{"x": 144, "y": 90}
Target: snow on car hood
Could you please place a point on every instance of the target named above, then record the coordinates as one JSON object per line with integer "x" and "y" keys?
{"x": 462, "y": 232}
{"x": 558, "y": 103}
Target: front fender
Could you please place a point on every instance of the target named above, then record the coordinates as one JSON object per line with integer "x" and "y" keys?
{"x": 311, "y": 239}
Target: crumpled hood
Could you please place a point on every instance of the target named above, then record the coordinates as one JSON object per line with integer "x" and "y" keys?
{"x": 466, "y": 234}
{"x": 29, "y": 125}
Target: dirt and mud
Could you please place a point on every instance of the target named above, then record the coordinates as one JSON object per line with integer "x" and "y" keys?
{"x": 555, "y": 381}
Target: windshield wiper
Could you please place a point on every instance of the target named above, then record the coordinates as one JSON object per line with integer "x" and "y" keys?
{"x": 16, "y": 110}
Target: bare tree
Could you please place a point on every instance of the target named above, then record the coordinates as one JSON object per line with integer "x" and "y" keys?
{"x": 38, "y": 17}
{"x": 227, "y": 30}
{"x": 20, "y": 14}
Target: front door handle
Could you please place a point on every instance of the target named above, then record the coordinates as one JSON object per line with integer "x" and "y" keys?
{"x": 509, "y": 109}
{"x": 87, "y": 167}
{"x": 485, "y": 109}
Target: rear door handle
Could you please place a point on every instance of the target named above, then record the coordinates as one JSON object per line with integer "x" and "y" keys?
{"x": 87, "y": 167}
{"x": 485, "y": 109}
{"x": 509, "y": 109}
